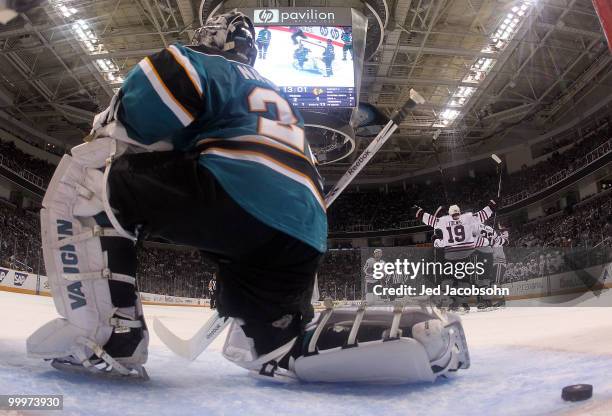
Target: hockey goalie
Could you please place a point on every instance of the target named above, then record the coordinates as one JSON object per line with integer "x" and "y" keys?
{"x": 198, "y": 149}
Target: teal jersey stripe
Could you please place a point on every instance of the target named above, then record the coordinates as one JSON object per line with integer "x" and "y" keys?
{"x": 143, "y": 113}
{"x": 223, "y": 113}
{"x": 272, "y": 198}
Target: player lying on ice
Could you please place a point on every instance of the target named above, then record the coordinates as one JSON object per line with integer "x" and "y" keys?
{"x": 198, "y": 149}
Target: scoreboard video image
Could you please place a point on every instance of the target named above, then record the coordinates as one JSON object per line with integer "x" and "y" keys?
{"x": 313, "y": 65}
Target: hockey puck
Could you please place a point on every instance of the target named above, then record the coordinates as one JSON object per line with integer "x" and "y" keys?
{"x": 577, "y": 392}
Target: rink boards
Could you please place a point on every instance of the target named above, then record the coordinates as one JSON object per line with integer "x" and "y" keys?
{"x": 588, "y": 282}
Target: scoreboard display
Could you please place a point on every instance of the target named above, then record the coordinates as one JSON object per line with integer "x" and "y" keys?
{"x": 308, "y": 54}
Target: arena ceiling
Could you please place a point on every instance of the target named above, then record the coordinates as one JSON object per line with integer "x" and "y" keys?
{"x": 482, "y": 65}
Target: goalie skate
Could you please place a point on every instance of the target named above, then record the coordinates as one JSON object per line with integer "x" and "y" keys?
{"x": 101, "y": 369}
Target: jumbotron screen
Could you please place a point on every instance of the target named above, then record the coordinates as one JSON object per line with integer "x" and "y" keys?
{"x": 313, "y": 65}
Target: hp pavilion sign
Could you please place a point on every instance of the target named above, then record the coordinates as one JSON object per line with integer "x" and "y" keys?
{"x": 266, "y": 16}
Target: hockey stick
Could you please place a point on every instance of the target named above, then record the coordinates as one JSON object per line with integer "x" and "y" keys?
{"x": 373, "y": 147}
{"x": 314, "y": 44}
{"x": 498, "y": 162}
{"x": 442, "y": 177}
{"x": 435, "y": 251}
{"x": 193, "y": 347}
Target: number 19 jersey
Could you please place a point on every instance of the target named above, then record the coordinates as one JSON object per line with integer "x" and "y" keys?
{"x": 248, "y": 135}
{"x": 460, "y": 236}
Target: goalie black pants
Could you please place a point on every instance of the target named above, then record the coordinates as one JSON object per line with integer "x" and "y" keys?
{"x": 265, "y": 277}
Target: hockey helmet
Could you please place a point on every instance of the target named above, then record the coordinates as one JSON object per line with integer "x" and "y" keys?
{"x": 454, "y": 210}
{"x": 229, "y": 32}
{"x": 378, "y": 253}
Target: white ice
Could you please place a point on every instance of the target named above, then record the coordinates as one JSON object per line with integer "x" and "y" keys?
{"x": 521, "y": 358}
{"x": 278, "y": 66}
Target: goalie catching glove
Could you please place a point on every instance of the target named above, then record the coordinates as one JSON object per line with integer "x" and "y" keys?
{"x": 377, "y": 345}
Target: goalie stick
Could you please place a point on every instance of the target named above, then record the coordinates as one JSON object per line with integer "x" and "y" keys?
{"x": 314, "y": 44}
{"x": 193, "y": 347}
{"x": 373, "y": 147}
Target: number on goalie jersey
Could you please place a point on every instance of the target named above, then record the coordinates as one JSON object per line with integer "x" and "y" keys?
{"x": 249, "y": 136}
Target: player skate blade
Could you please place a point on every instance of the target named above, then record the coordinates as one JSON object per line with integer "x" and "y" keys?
{"x": 139, "y": 374}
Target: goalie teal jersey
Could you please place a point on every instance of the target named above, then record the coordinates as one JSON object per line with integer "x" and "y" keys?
{"x": 248, "y": 135}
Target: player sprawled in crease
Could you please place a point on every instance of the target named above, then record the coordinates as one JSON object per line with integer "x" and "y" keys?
{"x": 198, "y": 149}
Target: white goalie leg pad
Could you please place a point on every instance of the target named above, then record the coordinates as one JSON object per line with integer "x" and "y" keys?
{"x": 384, "y": 346}
{"x": 395, "y": 362}
{"x": 77, "y": 268}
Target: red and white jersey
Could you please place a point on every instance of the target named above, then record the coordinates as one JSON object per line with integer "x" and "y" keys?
{"x": 461, "y": 234}
{"x": 497, "y": 240}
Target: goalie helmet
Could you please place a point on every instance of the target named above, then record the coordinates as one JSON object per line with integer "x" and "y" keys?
{"x": 231, "y": 32}
{"x": 454, "y": 210}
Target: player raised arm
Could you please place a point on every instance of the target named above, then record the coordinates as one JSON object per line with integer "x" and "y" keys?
{"x": 485, "y": 213}
{"x": 425, "y": 217}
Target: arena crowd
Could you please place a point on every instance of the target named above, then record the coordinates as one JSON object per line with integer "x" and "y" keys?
{"x": 179, "y": 271}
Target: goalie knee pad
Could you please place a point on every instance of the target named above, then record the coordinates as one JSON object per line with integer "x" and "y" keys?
{"x": 91, "y": 268}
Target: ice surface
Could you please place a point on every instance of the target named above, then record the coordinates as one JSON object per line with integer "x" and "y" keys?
{"x": 521, "y": 358}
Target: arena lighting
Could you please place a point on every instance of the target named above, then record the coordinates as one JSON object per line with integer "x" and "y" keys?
{"x": 85, "y": 34}
{"x": 102, "y": 64}
{"x": 67, "y": 12}
{"x": 502, "y": 35}
{"x": 481, "y": 68}
{"x": 448, "y": 116}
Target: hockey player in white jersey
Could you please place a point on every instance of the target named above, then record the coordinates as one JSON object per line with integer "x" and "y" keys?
{"x": 497, "y": 239}
{"x": 496, "y": 263}
{"x": 459, "y": 233}
{"x": 368, "y": 272}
